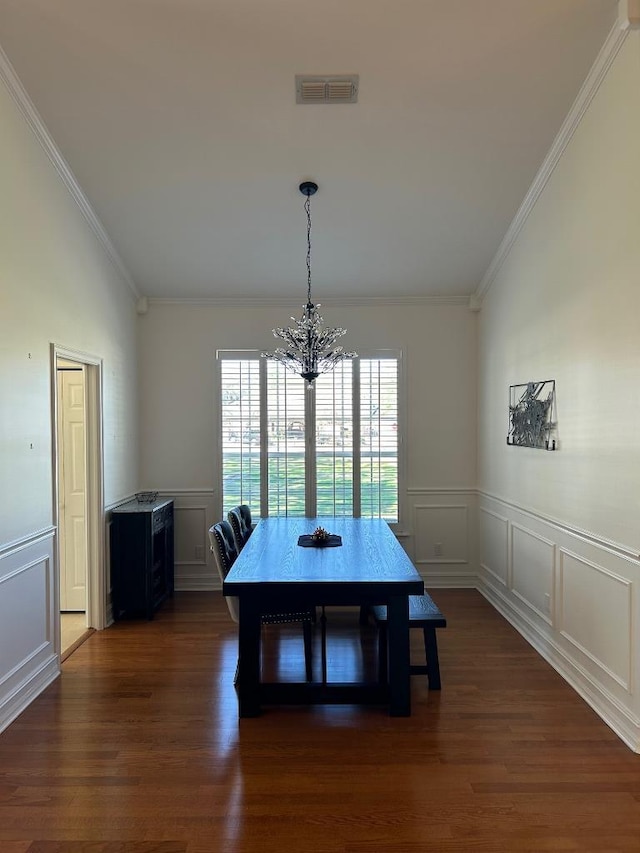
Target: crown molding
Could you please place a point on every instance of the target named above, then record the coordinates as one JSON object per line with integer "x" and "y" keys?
{"x": 628, "y": 19}
{"x": 39, "y": 130}
{"x": 289, "y": 302}
{"x": 475, "y": 304}
{"x": 629, "y": 14}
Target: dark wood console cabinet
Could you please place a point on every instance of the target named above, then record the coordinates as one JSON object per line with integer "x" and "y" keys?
{"x": 141, "y": 557}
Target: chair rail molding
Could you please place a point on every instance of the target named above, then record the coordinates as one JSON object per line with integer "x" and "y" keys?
{"x": 616, "y": 548}
{"x": 27, "y": 541}
{"x": 118, "y": 502}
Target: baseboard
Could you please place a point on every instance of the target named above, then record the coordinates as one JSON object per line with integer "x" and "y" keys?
{"x": 625, "y": 725}
{"x": 17, "y": 702}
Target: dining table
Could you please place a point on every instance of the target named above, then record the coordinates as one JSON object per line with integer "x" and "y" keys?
{"x": 273, "y": 572}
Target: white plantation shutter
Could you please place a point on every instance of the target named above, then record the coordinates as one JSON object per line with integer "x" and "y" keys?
{"x": 379, "y": 437}
{"x": 240, "y": 409}
{"x": 286, "y": 441}
{"x": 330, "y": 451}
{"x": 334, "y": 441}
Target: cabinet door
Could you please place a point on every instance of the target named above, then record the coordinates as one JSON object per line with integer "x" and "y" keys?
{"x": 141, "y": 560}
{"x": 159, "y": 589}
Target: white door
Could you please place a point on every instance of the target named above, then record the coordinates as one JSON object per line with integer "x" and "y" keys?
{"x": 72, "y": 490}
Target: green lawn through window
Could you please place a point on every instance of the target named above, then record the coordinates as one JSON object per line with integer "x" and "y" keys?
{"x": 379, "y": 487}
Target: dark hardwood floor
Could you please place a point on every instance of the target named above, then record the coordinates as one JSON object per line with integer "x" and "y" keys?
{"x": 137, "y": 748}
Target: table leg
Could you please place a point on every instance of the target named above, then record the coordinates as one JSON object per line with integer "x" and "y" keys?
{"x": 248, "y": 684}
{"x": 399, "y": 663}
{"x": 323, "y": 644}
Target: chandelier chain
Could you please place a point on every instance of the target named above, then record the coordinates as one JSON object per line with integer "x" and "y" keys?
{"x": 307, "y": 207}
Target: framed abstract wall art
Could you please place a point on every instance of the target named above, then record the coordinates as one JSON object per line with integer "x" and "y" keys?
{"x": 532, "y": 415}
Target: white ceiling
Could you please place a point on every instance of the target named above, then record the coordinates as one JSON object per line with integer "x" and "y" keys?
{"x": 178, "y": 119}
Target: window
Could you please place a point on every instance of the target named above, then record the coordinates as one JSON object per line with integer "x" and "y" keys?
{"x": 379, "y": 437}
{"x": 334, "y": 436}
{"x": 240, "y": 403}
{"x": 286, "y": 486}
{"x": 329, "y": 450}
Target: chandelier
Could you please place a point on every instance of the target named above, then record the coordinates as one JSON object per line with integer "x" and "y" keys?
{"x": 309, "y": 349}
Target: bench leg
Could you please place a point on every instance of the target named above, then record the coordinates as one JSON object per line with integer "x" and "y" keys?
{"x": 432, "y": 668}
{"x": 323, "y": 644}
{"x": 433, "y": 664}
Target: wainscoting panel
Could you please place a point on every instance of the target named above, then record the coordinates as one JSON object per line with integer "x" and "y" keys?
{"x": 595, "y": 615}
{"x": 494, "y": 545}
{"x": 193, "y": 516}
{"x": 28, "y": 660}
{"x": 532, "y": 570}
{"x": 190, "y": 531}
{"x": 442, "y": 542}
{"x": 589, "y": 628}
{"x": 25, "y": 589}
{"x": 441, "y": 533}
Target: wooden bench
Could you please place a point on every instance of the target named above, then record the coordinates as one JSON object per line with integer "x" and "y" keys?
{"x": 423, "y": 613}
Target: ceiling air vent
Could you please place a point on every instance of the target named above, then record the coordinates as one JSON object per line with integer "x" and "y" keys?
{"x": 334, "y": 89}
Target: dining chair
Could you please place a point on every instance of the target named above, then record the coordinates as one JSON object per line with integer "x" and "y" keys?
{"x": 239, "y": 517}
{"x": 223, "y": 548}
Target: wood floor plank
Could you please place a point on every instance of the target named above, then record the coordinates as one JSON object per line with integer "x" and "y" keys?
{"x": 138, "y": 748}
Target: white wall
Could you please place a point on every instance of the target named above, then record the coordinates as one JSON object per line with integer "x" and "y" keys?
{"x": 178, "y": 343}
{"x": 56, "y": 286}
{"x": 560, "y": 531}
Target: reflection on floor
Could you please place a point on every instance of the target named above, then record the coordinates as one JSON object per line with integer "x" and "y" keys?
{"x": 73, "y": 627}
{"x": 140, "y": 742}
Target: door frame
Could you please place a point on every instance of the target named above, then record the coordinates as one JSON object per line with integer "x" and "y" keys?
{"x": 96, "y": 562}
